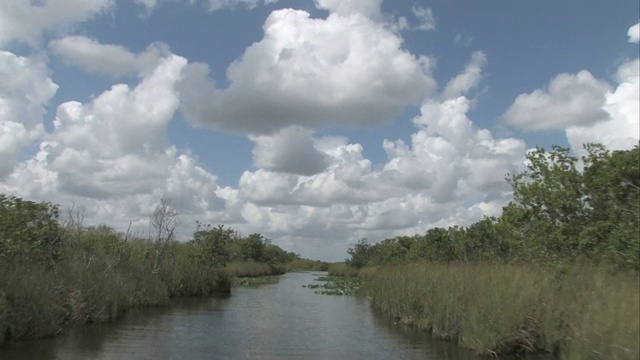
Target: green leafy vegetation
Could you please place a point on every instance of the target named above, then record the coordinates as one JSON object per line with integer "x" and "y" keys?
{"x": 337, "y": 285}
{"x": 559, "y": 214}
{"x": 557, "y": 273}
{"x": 57, "y": 272}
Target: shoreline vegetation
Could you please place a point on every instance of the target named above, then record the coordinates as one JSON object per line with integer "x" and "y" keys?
{"x": 557, "y": 274}
{"x": 56, "y": 273}
{"x": 568, "y": 312}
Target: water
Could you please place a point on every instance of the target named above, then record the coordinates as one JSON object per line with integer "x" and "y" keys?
{"x": 274, "y": 321}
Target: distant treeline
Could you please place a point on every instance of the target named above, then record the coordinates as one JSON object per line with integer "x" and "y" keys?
{"x": 562, "y": 210}
{"x": 55, "y": 270}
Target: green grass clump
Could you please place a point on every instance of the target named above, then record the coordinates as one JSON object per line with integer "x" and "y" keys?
{"x": 578, "y": 312}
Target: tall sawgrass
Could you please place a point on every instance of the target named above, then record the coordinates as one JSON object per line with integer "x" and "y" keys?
{"x": 250, "y": 268}
{"x": 574, "y": 312}
{"x": 300, "y": 264}
{"x": 342, "y": 269}
{"x": 99, "y": 275}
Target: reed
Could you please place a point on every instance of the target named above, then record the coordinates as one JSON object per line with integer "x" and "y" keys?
{"x": 342, "y": 269}
{"x": 97, "y": 277}
{"x": 250, "y": 268}
{"x": 574, "y": 312}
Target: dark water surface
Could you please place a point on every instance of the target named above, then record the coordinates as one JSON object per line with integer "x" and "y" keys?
{"x": 274, "y": 321}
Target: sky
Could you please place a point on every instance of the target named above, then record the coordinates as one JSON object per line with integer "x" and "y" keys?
{"x": 315, "y": 123}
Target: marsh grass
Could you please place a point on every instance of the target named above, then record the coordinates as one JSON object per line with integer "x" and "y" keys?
{"x": 300, "y": 264}
{"x": 253, "y": 281}
{"x": 342, "y": 269}
{"x": 250, "y": 268}
{"x": 577, "y": 312}
{"x": 96, "y": 279}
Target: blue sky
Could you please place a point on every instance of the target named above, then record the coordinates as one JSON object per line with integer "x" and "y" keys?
{"x": 315, "y": 123}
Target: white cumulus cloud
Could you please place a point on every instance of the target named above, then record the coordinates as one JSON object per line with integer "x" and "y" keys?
{"x": 570, "y": 100}
{"x": 24, "y": 21}
{"x": 116, "y": 60}
{"x": 112, "y": 156}
{"x": 468, "y": 79}
{"x": 588, "y": 109}
{"x": 622, "y": 129}
{"x": 449, "y": 173}
{"x": 346, "y": 70}
{"x": 25, "y": 89}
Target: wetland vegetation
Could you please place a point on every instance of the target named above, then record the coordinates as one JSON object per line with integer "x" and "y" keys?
{"x": 557, "y": 273}
{"x": 56, "y": 271}
{"x": 337, "y": 285}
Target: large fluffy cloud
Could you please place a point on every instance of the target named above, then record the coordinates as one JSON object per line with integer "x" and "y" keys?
{"x": 26, "y": 20}
{"x": 343, "y": 70}
{"x": 25, "y": 88}
{"x": 569, "y": 100}
{"x": 116, "y": 60}
{"x": 450, "y": 173}
{"x": 588, "y": 109}
{"x": 622, "y": 128}
{"x": 113, "y": 156}
{"x": 450, "y": 159}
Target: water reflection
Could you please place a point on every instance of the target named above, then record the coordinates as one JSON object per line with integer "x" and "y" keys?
{"x": 273, "y": 321}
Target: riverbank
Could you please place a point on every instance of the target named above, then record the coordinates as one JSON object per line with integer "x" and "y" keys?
{"x": 201, "y": 328}
{"x": 573, "y": 312}
{"x": 39, "y": 302}
{"x": 58, "y": 273}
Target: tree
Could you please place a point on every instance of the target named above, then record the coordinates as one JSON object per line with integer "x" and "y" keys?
{"x": 214, "y": 244}
{"x": 561, "y": 211}
{"x": 550, "y": 201}
{"x": 612, "y": 182}
{"x": 360, "y": 254}
{"x": 164, "y": 221}
{"x": 253, "y": 247}
{"x": 29, "y": 231}
{"x": 440, "y": 244}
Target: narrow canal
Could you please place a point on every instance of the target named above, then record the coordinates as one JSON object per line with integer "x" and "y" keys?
{"x": 283, "y": 320}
